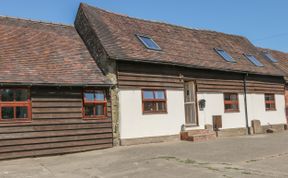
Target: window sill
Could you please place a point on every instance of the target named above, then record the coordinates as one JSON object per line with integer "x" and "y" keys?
{"x": 95, "y": 118}
{"x": 152, "y": 113}
{"x": 271, "y": 110}
{"x": 232, "y": 111}
{"x": 190, "y": 125}
{"x": 15, "y": 121}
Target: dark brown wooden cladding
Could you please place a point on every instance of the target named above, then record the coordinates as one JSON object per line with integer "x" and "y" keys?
{"x": 56, "y": 103}
{"x": 143, "y": 75}
{"x": 57, "y": 127}
{"x": 217, "y": 85}
{"x": 128, "y": 80}
{"x": 237, "y": 86}
{"x": 134, "y": 75}
{"x": 264, "y": 87}
{"x": 49, "y": 136}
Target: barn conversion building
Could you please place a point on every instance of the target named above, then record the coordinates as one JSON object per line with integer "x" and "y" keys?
{"x": 281, "y": 61}
{"x": 47, "y": 78}
{"x": 117, "y": 80}
{"x": 173, "y": 80}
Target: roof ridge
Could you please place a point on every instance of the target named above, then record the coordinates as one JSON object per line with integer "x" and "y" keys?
{"x": 276, "y": 50}
{"x": 36, "y": 21}
{"x": 162, "y": 22}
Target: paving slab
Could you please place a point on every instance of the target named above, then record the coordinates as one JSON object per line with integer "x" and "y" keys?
{"x": 247, "y": 156}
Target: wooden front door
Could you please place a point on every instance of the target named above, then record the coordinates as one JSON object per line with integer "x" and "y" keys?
{"x": 190, "y": 103}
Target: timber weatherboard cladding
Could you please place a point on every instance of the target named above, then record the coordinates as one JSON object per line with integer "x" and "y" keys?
{"x": 56, "y": 127}
{"x": 56, "y": 103}
{"x": 143, "y": 75}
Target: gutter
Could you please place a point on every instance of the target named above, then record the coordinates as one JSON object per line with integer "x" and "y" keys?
{"x": 248, "y": 132}
{"x": 55, "y": 84}
{"x": 192, "y": 66}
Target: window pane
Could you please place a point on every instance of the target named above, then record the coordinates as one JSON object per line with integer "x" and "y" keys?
{"x": 21, "y": 95}
{"x": 148, "y": 94}
{"x": 228, "y": 106}
{"x": 99, "y": 110}
{"x": 7, "y": 112}
{"x": 270, "y": 106}
{"x": 269, "y": 97}
{"x": 160, "y": 106}
{"x": 7, "y": 95}
{"x": 230, "y": 97}
{"x": 233, "y": 97}
{"x": 234, "y": 106}
{"x": 148, "y": 106}
{"x": 231, "y": 107}
{"x": 149, "y": 43}
{"x": 21, "y": 112}
{"x": 159, "y": 95}
{"x": 99, "y": 95}
{"x": 226, "y": 97}
{"x": 89, "y": 96}
{"x": 253, "y": 60}
{"x": 270, "y": 57}
{"x": 225, "y": 55}
{"x": 89, "y": 110}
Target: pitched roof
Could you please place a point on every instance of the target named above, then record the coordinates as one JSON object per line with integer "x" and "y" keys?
{"x": 180, "y": 46}
{"x": 282, "y": 58}
{"x": 42, "y": 53}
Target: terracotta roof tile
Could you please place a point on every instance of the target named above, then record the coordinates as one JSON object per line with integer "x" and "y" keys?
{"x": 282, "y": 58}
{"x": 181, "y": 46}
{"x": 42, "y": 53}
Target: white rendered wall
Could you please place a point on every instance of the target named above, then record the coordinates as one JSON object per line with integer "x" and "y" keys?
{"x": 215, "y": 106}
{"x": 135, "y": 124}
{"x": 256, "y": 110}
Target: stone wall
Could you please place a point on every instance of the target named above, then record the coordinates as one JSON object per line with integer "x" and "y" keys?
{"x": 108, "y": 66}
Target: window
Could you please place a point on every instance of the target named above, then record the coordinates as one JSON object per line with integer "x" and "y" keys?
{"x": 148, "y": 42}
{"x": 14, "y": 104}
{"x": 95, "y": 104}
{"x": 270, "y": 102}
{"x": 253, "y": 60}
{"x": 154, "y": 101}
{"x": 270, "y": 57}
{"x": 231, "y": 102}
{"x": 224, "y": 55}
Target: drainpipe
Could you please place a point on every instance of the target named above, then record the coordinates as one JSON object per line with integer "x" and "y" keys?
{"x": 246, "y": 108}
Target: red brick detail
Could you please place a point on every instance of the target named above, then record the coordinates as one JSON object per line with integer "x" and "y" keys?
{"x": 198, "y": 135}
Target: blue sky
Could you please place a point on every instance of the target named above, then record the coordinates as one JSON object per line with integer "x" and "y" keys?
{"x": 264, "y": 22}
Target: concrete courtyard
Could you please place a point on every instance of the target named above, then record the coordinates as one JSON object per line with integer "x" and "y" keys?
{"x": 249, "y": 156}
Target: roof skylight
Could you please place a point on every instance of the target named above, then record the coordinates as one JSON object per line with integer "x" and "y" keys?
{"x": 253, "y": 60}
{"x": 224, "y": 55}
{"x": 148, "y": 42}
{"x": 270, "y": 57}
